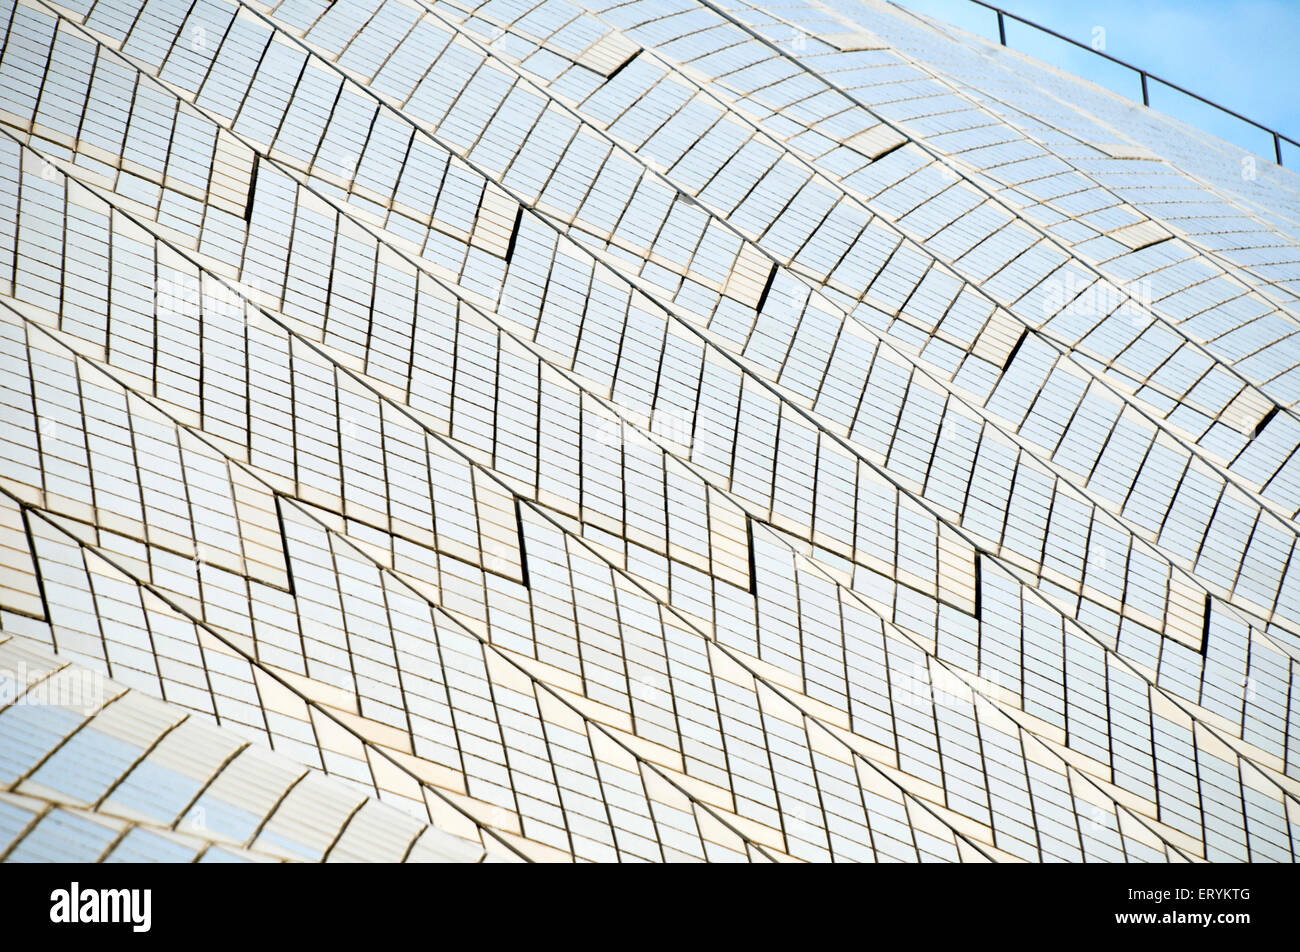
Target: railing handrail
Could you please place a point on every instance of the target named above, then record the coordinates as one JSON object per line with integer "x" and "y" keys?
{"x": 1278, "y": 137}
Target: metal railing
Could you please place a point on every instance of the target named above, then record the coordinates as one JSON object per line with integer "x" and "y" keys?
{"x": 1143, "y": 75}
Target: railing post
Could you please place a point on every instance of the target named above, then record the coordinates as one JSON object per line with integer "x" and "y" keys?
{"x": 1277, "y": 148}
{"x": 1002, "y": 29}
{"x": 1146, "y": 97}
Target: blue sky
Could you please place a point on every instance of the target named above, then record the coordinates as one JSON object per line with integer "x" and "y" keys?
{"x": 1240, "y": 53}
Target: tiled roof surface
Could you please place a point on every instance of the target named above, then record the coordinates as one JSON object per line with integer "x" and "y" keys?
{"x": 675, "y": 430}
